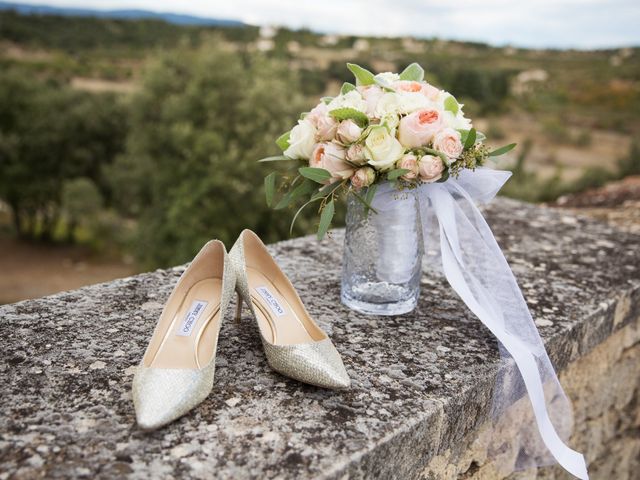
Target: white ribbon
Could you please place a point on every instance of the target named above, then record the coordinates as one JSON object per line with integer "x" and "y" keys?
{"x": 477, "y": 270}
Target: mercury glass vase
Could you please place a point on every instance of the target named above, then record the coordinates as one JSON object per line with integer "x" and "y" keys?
{"x": 382, "y": 258}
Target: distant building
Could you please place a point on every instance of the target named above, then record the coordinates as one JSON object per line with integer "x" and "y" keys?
{"x": 268, "y": 31}
{"x": 265, "y": 44}
{"x": 361, "y": 45}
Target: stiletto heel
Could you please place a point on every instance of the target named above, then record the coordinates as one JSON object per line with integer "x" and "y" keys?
{"x": 176, "y": 372}
{"x": 294, "y": 344}
{"x": 238, "y": 317}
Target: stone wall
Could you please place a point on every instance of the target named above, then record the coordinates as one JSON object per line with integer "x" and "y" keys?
{"x": 421, "y": 383}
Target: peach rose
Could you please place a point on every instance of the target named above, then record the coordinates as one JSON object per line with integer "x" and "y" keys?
{"x": 325, "y": 124}
{"x": 409, "y": 162}
{"x": 448, "y": 142}
{"x": 424, "y": 88}
{"x": 348, "y": 132}
{"x": 363, "y": 177}
{"x": 356, "y": 154}
{"x": 331, "y": 157}
{"x": 430, "y": 168}
{"x": 418, "y": 128}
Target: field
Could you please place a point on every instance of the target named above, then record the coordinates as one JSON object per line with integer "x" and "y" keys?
{"x": 101, "y": 108}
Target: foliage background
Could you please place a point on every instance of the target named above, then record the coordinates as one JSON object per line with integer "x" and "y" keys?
{"x": 141, "y": 137}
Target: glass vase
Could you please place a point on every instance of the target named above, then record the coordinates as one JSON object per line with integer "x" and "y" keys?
{"x": 382, "y": 259}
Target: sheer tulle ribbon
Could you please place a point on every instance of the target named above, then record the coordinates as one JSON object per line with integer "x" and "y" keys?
{"x": 476, "y": 269}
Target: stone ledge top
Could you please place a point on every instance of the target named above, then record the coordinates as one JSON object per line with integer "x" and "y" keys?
{"x": 420, "y": 382}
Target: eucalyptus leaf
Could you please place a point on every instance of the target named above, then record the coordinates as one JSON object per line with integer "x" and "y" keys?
{"x": 270, "y": 187}
{"x": 397, "y": 173}
{"x": 442, "y": 156}
{"x": 371, "y": 192}
{"x": 348, "y": 113}
{"x": 283, "y": 141}
{"x": 363, "y": 76}
{"x": 326, "y": 100}
{"x": 347, "y": 87}
{"x": 470, "y": 141}
{"x": 444, "y": 177}
{"x": 277, "y": 158}
{"x": 364, "y": 202}
{"x": 327, "y": 190}
{"x": 295, "y": 217}
{"x": 318, "y": 175}
{"x": 413, "y": 72}
{"x": 325, "y": 219}
{"x": 451, "y": 104}
{"x": 502, "y": 150}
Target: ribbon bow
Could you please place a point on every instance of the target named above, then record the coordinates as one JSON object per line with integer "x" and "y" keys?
{"x": 476, "y": 269}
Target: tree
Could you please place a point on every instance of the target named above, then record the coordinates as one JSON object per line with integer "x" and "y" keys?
{"x": 48, "y": 135}
{"x": 198, "y": 126}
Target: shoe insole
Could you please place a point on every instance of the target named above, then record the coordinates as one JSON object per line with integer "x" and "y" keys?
{"x": 278, "y": 322}
{"x": 191, "y": 338}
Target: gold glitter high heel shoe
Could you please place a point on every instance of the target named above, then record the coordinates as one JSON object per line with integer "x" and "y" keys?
{"x": 294, "y": 344}
{"x": 176, "y": 372}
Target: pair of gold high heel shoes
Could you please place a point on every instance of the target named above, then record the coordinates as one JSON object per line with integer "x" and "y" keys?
{"x": 176, "y": 372}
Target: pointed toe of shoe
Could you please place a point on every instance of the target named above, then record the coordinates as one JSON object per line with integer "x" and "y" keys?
{"x": 317, "y": 363}
{"x": 161, "y": 396}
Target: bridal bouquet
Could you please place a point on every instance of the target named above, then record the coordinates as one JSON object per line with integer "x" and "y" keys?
{"x": 386, "y": 128}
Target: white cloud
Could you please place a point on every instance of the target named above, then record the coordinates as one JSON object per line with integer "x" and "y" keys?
{"x": 536, "y": 23}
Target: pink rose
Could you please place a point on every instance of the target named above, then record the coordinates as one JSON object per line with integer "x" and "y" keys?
{"x": 356, "y": 154}
{"x": 348, "y": 132}
{"x": 430, "y": 92}
{"x": 430, "y": 168}
{"x": 418, "y": 128}
{"x": 409, "y": 162}
{"x": 407, "y": 86}
{"x": 427, "y": 90}
{"x": 325, "y": 124}
{"x": 331, "y": 157}
{"x": 371, "y": 94}
{"x": 448, "y": 142}
{"x": 363, "y": 177}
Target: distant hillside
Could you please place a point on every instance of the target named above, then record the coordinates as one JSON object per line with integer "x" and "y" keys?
{"x": 174, "y": 18}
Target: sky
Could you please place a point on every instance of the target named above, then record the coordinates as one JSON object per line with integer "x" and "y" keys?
{"x": 532, "y": 23}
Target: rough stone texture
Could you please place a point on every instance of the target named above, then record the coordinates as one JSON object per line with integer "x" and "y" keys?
{"x": 421, "y": 382}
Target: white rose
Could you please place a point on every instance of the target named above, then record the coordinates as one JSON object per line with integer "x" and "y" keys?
{"x": 388, "y": 105}
{"x": 388, "y": 77}
{"x": 352, "y": 99}
{"x": 412, "y": 101}
{"x": 457, "y": 122}
{"x": 382, "y": 149}
{"x": 301, "y": 140}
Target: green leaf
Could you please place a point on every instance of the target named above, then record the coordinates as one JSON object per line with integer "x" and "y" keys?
{"x": 270, "y": 187}
{"x": 363, "y": 76}
{"x": 444, "y": 177}
{"x": 348, "y": 113}
{"x": 347, "y": 87}
{"x": 371, "y": 191}
{"x": 277, "y": 158}
{"x": 451, "y": 104}
{"x": 470, "y": 141}
{"x": 318, "y": 175}
{"x": 305, "y": 188}
{"x": 325, "y": 219}
{"x": 413, "y": 72}
{"x": 327, "y": 190}
{"x": 326, "y": 100}
{"x": 442, "y": 156}
{"x": 283, "y": 141}
{"x": 397, "y": 173}
{"x": 364, "y": 202}
{"x": 295, "y": 217}
{"x": 502, "y": 150}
